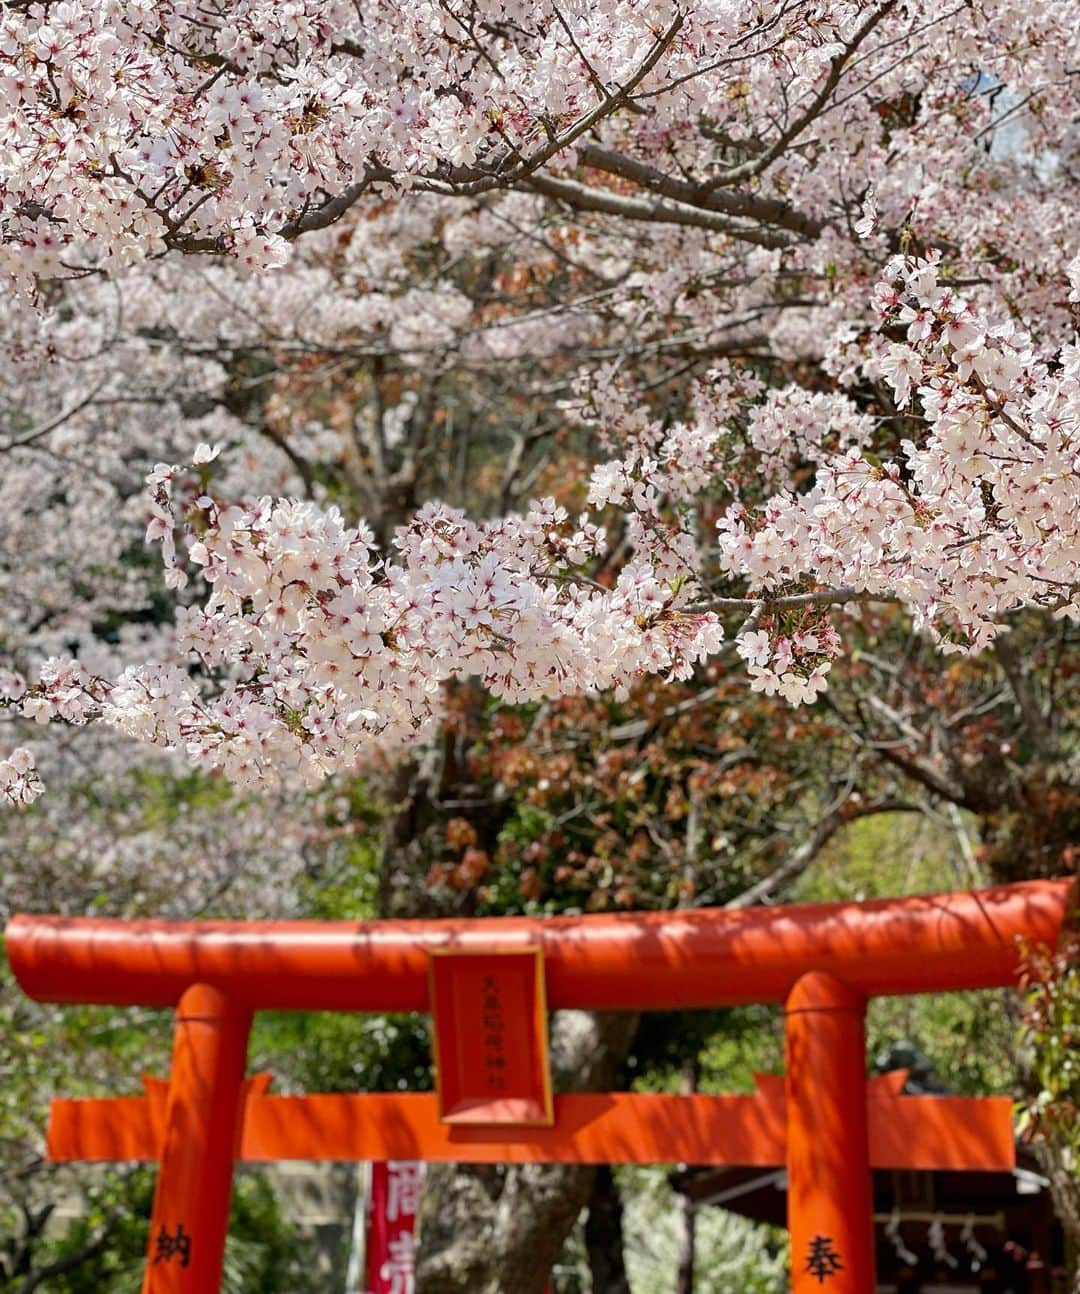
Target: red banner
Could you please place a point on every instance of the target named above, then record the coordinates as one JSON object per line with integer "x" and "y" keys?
{"x": 391, "y": 1225}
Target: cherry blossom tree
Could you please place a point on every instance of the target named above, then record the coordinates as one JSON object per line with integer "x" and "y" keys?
{"x": 600, "y": 361}
{"x": 151, "y": 130}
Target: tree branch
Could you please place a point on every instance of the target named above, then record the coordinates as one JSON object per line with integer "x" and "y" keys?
{"x": 751, "y": 206}
{"x": 67, "y": 1261}
{"x": 39, "y": 432}
{"x": 656, "y": 210}
{"x": 747, "y": 170}
{"x": 823, "y": 597}
{"x": 800, "y": 858}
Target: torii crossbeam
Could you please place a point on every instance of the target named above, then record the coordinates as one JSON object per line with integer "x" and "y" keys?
{"x": 488, "y": 984}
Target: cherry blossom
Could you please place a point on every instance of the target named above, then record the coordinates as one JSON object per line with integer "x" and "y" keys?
{"x": 332, "y": 649}
{"x": 981, "y": 519}
{"x": 19, "y": 782}
{"x": 703, "y": 236}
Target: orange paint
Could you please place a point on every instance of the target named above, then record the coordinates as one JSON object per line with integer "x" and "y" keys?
{"x": 489, "y": 1021}
{"x": 824, "y": 1119}
{"x": 200, "y": 1137}
{"x": 634, "y": 961}
{"x": 830, "y": 1194}
{"x": 912, "y": 1132}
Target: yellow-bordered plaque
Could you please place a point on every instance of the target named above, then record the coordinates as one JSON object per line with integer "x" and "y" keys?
{"x": 489, "y": 1018}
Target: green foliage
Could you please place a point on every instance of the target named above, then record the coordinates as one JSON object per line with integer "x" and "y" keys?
{"x": 1051, "y": 1041}
{"x": 885, "y": 855}
{"x": 83, "y": 1050}
{"x": 164, "y": 796}
{"x": 263, "y": 1255}
{"x": 752, "y": 1043}
{"x": 344, "y": 886}
{"x": 727, "y": 1048}
{"x": 331, "y": 1051}
{"x": 968, "y": 1037}
{"x": 732, "y": 1253}
{"x": 105, "y": 1244}
{"x": 75, "y": 1051}
{"x": 335, "y": 1052}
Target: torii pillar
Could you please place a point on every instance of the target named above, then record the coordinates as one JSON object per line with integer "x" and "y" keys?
{"x": 203, "y": 1117}
{"x": 830, "y": 1191}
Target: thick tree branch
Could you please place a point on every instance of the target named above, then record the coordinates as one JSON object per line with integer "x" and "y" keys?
{"x": 748, "y": 206}
{"x": 651, "y": 210}
{"x": 458, "y": 181}
{"x": 823, "y": 597}
{"x": 801, "y": 857}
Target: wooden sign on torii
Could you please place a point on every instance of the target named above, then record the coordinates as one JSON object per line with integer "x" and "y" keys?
{"x": 488, "y": 984}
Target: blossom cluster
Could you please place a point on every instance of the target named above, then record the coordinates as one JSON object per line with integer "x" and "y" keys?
{"x": 329, "y": 648}
{"x": 793, "y": 425}
{"x": 325, "y": 650}
{"x": 140, "y": 125}
{"x": 982, "y": 513}
{"x": 673, "y": 462}
{"x": 315, "y": 648}
{"x": 65, "y": 691}
{"x": 19, "y": 782}
{"x": 409, "y": 156}
{"x": 100, "y": 829}
{"x": 792, "y": 665}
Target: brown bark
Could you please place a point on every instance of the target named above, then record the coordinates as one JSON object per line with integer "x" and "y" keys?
{"x": 1058, "y": 1164}
{"x": 486, "y": 1230}
{"x": 687, "y": 1254}
{"x": 414, "y": 836}
{"x": 604, "y": 1236}
{"x": 489, "y": 1229}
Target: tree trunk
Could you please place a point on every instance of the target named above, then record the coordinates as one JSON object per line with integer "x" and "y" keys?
{"x": 489, "y": 1229}
{"x": 1058, "y": 1162}
{"x": 687, "y": 1254}
{"x": 413, "y": 840}
{"x": 499, "y": 1230}
{"x": 604, "y": 1236}
{"x": 684, "y": 1272}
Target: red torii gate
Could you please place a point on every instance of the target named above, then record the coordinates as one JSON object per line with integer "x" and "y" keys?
{"x": 488, "y": 984}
